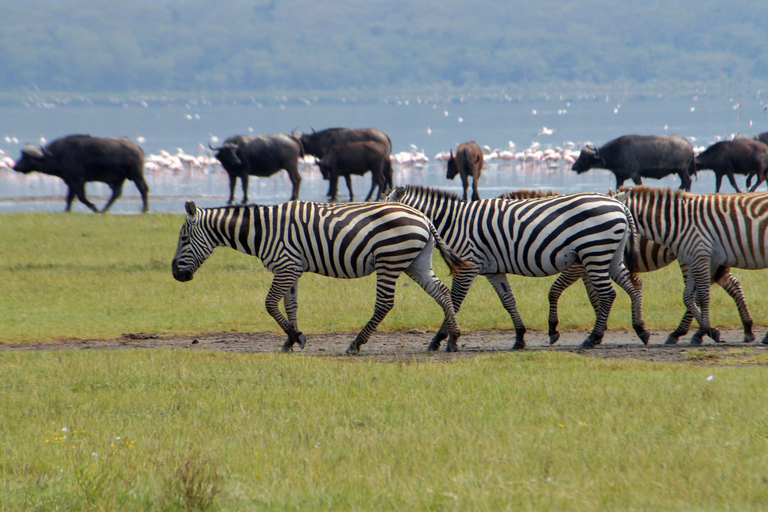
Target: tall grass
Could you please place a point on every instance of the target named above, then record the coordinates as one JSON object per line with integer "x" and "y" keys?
{"x": 90, "y": 276}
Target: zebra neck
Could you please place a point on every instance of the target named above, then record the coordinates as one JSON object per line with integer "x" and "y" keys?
{"x": 446, "y": 215}
{"x": 238, "y": 227}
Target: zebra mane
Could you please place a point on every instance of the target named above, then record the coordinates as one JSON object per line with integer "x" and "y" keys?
{"x": 527, "y": 194}
{"x": 432, "y": 192}
{"x": 643, "y": 191}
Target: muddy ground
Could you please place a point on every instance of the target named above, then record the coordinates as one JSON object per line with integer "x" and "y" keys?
{"x": 389, "y": 346}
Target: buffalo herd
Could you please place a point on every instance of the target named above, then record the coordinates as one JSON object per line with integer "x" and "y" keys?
{"x": 78, "y": 159}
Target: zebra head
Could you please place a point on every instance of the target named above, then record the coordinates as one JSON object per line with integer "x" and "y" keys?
{"x": 193, "y": 247}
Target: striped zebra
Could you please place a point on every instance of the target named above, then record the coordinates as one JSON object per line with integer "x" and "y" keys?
{"x": 538, "y": 237}
{"x": 651, "y": 256}
{"x": 705, "y": 231}
{"x": 343, "y": 241}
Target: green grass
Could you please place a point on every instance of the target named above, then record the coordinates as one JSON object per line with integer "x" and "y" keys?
{"x": 87, "y": 276}
{"x": 196, "y": 430}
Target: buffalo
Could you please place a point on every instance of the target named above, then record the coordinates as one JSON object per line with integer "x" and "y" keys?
{"x": 357, "y": 158}
{"x": 318, "y": 143}
{"x": 243, "y": 156}
{"x": 79, "y": 159}
{"x": 641, "y": 156}
{"x": 467, "y": 162}
{"x": 740, "y": 156}
{"x": 762, "y": 137}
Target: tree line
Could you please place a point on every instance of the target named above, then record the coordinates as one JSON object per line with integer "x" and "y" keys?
{"x": 321, "y": 45}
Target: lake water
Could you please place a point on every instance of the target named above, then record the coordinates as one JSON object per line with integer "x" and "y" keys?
{"x": 430, "y": 127}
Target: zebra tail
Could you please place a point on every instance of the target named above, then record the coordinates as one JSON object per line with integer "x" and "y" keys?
{"x": 631, "y": 251}
{"x": 454, "y": 261}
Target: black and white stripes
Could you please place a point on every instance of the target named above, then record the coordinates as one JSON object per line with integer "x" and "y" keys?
{"x": 344, "y": 241}
{"x": 537, "y": 237}
{"x": 706, "y": 232}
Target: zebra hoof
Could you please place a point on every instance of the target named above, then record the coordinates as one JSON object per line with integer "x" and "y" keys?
{"x": 433, "y": 346}
{"x": 553, "y": 338}
{"x": 765, "y": 340}
{"x": 749, "y": 338}
{"x": 451, "y": 347}
{"x": 644, "y": 337}
{"x": 352, "y": 350}
{"x": 588, "y": 343}
{"x": 671, "y": 340}
{"x": 519, "y": 345}
{"x": 301, "y": 340}
{"x": 715, "y": 335}
{"x": 287, "y": 349}
{"x": 695, "y": 341}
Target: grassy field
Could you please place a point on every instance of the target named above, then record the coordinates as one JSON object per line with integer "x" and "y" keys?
{"x": 198, "y": 430}
{"x": 91, "y": 276}
{"x": 178, "y": 430}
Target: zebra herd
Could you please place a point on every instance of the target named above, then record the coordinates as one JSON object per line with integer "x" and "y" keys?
{"x": 596, "y": 237}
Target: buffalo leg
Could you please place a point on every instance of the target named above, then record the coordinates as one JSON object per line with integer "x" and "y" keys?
{"x": 232, "y": 183}
{"x": 144, "y": 191}
{"x": 732, "y": 179}
{"x": 117, "y": 190}
{"x": 79, "y": 191}
{"x": 718, "y": 181}
{"x": 348, "y": 179}
{"x": 293, "y": 174}
{"x": 475, "y": 193}
{"x": 244, "y": 183}
{"x": 465, "y": 184}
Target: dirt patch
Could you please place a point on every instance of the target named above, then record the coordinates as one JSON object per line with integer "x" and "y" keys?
{"x": 401, "y": 345}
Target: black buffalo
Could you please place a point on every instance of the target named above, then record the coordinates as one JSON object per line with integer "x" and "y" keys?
{"x": 243, "y": 156}
{"x": 641, "y": 156}
{"x": 762, "y": 137}
{"x": 357, "y": 158}
{"x": 729, "y": 157}
{"x": 318, "y": 143}
{"x": 467, "y": 162}
{"x": 78, "y": 159}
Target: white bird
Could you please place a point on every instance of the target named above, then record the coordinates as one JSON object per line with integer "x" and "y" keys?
{"x": 546, "y": 131}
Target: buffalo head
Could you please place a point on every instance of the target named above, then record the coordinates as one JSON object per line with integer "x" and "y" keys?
{"x": 32, "y": 159}
{"x": 227, "y": 155}
{"x": 453, "y": 169}
{"x": 588, "y": 159}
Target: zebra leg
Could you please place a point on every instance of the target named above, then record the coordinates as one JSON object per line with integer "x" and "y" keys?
{"x": 290, "y": 301}
{"x": 698, "y": 287}
{"x": 632, "y": 285}
{"x": 563, "y": 281}
{"x": 594, "y": 299}
{"x": 427, "y": 279}
{"x": 685, "y": 323}
{"x": 501, "y": 285}
{"x": 607, "y": 295}
{"x": 459, "y": 288}
{"x": 385, "y": 300}
{"x": 732, "y": 286}
{"x": 280, "y": 287}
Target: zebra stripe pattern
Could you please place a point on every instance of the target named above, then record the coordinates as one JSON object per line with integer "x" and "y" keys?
{"x": 705, "y": 231}
{"x": 651, "y": 256}
{"x": 343, "y": 241}
{"x": 537, "y": 237}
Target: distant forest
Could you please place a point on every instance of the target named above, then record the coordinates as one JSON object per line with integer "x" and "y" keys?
{"x": 323, "y": 45}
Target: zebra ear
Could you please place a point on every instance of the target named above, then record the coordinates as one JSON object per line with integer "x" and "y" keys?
{"x": 191, "y": 210}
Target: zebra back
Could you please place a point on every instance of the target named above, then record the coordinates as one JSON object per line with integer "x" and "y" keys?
{"x": 688, "y": 223}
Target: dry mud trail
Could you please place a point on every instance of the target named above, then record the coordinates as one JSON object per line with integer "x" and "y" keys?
{"x": 411, "y": 345}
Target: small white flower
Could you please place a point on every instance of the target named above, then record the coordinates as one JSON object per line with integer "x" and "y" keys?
{"x": 94, "y": 454}
{"x": 119, "y": 438}
{"x": 710, "y": 378}
{"x": 64, "y": 429}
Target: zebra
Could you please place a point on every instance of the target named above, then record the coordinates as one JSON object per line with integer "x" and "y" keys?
{"x": 343, "y": 241}
{"x": 705, "y": 231}
{"x": 538, "y": 237}
{"x": 651, "y": 256}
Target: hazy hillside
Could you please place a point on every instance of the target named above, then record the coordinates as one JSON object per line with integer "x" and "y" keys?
{"x": 193, "y": 45}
